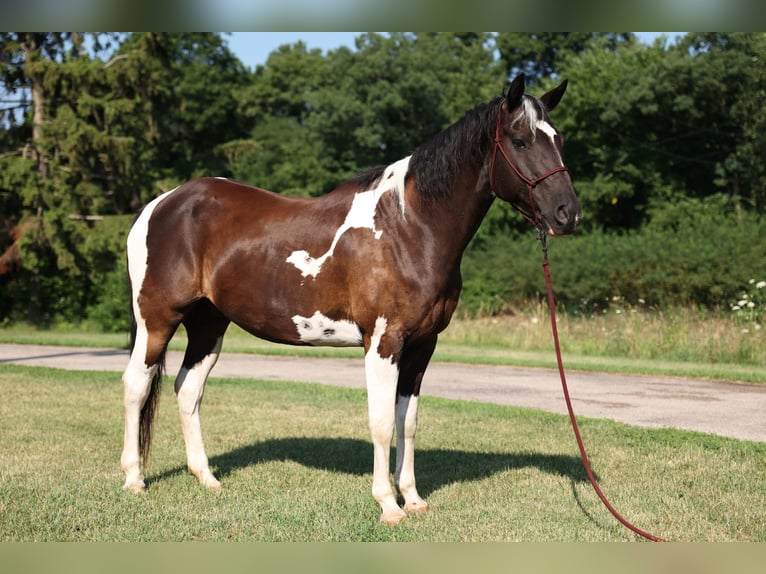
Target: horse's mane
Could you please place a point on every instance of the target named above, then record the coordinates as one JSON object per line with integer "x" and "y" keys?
{"x": 369, "y": 178}
{"x": 436, "y": 163}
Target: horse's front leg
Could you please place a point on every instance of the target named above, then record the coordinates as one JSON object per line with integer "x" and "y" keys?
{"x": 382, "y": 374}
{"x": 413, "y": 365}
{"x": 406, "y": 425}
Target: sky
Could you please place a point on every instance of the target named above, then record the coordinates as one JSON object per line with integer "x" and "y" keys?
{"x": 253, "y": 48}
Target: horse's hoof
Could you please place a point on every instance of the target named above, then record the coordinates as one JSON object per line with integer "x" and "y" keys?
{"x": 207, "y": 479}
{"x": 136, "y": 486}
{"x": 393, "y": 518}
{"x": 417, "y": 506}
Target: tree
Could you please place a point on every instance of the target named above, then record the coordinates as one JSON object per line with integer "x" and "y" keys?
{"x": 648, "y": 126}
{"x": 734, "y": 111}
{"x": 396, "y": 92}
{"x": 540, "y": 55}
{"x": 319, "y": 120}
{"x": 101, "y": 137}
{"x": 281, "y": 152}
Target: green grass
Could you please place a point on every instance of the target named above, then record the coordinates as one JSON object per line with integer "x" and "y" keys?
{"x": 296, "y": 464}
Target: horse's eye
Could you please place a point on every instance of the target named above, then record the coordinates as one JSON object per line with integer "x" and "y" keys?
{"x": 519, "y": 144}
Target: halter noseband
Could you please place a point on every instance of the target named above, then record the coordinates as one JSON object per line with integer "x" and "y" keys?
{"x": 534, "y": 219}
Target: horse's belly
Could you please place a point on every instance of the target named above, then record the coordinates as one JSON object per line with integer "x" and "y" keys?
{"x": 322, "y": 331}
{"x": 296, "y": 329}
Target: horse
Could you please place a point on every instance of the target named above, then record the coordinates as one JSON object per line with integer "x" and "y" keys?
{"x": 374, "y": 263}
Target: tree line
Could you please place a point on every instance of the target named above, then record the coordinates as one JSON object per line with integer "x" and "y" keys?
{"x": 92, "y": 126}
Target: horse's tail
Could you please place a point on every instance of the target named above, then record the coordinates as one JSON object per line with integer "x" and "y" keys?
{"x": 148, "y": 410}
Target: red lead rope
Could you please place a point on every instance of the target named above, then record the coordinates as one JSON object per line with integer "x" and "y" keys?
{"x": 535, "y": 219}
{"x": 551, "y": 304}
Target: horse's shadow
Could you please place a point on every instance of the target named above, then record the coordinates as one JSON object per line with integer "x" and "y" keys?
{"x": 435, "y": 467}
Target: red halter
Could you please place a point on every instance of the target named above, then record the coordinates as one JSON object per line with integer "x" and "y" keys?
{"x": 534, "y": 219}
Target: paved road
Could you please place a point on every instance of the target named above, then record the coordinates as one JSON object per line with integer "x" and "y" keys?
{"x": 726, "y": 409}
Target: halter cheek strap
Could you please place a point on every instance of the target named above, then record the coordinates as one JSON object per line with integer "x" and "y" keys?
{"x": 534, "y": 219}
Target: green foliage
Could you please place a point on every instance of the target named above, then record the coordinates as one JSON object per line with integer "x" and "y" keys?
{"x": 321, "y": 120}
{"x": 750, "y": 308}
{"x": 654, "y": 134}
{"x": 542, "y": 55}
{"x": 110, "y": 313}
{"x": 693, "y": 252}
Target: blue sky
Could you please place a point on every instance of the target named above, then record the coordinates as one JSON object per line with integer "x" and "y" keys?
{"x": 253, "y": 48}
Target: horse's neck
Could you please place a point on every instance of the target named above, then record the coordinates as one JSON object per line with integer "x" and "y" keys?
{"x": 455, "y": 219}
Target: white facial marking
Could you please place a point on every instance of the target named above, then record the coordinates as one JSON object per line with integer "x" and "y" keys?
{"x": 361, "y": 215}
{"x": 532, "y": 115}
{"x": 546, "y": 128}
{"x": 551, "y": 132}
{"x": 537, "y": 123}
{"x": 321, "y": 330}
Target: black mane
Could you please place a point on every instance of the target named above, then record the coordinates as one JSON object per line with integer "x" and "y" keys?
{"x": 436, "y": 163}
{"x": 369, "y": 178}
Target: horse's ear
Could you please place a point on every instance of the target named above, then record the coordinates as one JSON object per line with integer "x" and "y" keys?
{"x": 552, "y": 98}
{"x": 515, "y": 92}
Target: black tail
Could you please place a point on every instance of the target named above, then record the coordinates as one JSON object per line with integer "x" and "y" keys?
{"x": 147, "y": 413}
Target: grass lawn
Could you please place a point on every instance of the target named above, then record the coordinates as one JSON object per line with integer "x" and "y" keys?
{"x": 296, "y": 463}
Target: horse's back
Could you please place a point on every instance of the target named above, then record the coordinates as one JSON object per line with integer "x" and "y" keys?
{"x": 230, "y": 243}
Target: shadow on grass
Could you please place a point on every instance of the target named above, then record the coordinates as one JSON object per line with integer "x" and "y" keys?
{"x": 434, "y": 468}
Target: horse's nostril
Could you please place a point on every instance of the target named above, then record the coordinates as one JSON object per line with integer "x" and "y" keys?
{"x": 562, "y": 215}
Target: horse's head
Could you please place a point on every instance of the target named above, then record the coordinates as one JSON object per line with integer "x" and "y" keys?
{"x": 527, "y": 168}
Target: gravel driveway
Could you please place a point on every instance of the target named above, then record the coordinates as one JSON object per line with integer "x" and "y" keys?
{"x": 726, "y": 409}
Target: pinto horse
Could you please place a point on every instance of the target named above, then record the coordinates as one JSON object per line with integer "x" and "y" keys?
{"x": 373, "y": 264}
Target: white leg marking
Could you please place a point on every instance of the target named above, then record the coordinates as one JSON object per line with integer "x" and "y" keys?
{"x": 406, "y": 425}
{"x": 138, "y": 375}
{"x": 190, "y": 387}
{"x": 136, "y": 380}
{"x": 321, "y": 330}
{"x": 382, "y": 376}
{"x": 361, "y": 215}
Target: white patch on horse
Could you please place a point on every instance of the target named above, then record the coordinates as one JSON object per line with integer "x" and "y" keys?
{"x": 546, "y": 128}
{"x": 321, "y": 330}
{"x": 190, "y": 386}
{"x": 382, "y": 374}
{"x": 137, "y": 374}
{"x": 138, "y": 253}
{"x": 361, "y": 215}
{"x": 535, "y": 122}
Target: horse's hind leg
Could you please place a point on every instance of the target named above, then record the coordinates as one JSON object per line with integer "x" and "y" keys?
{"x": 205, "y": 327}
{"x": 141, "y": 384}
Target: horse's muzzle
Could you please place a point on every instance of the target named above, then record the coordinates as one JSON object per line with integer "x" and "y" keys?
{"x": 566, "y": 218}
